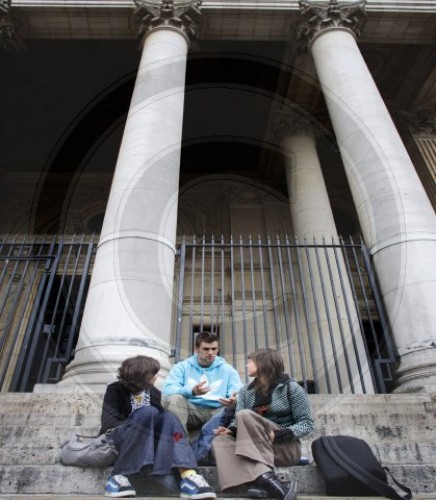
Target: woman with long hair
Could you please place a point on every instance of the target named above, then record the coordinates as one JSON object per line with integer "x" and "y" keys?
{"x": 145, "y": 435}
{"x": 272, "y": 414}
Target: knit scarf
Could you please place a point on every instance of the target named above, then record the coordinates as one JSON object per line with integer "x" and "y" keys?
{"x": 262, "y": 401}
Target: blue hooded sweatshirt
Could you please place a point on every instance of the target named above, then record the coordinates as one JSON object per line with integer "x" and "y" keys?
{"x": 221, "y": 377}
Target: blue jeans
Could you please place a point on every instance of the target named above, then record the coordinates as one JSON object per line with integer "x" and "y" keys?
{"x": 203, "y": 443}
{"x": 153, "y": 438}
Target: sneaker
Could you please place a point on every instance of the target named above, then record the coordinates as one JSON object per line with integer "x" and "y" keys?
{"x": 196, "y": 487}
{"x": 118, "y": 486}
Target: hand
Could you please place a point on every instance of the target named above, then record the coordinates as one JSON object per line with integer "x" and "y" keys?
{"x": 229, "y": 401}
{"x": 226, "y": 401}
{"x": 271, "y": 436}
{"x": 200, "y": 389}
{"x": 221, "y": 430}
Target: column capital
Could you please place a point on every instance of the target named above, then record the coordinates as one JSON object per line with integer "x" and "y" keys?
{"x": 319, "y": 16}
{"x": 182, "y": 15}
{"x": 10, "y": 34}
{"x": 421, "y": 122}
{"x": 288, "y": 122}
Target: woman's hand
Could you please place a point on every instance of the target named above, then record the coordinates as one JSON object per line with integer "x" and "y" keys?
{"x": 231, "y": 401}
{"x": 221, "y": 430}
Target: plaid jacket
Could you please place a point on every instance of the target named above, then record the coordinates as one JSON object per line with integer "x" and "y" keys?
{"x": 289, "y": 407}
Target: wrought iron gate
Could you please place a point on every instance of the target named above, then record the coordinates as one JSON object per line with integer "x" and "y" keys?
{"x": 317, "y": 303}
{"x": 43, "y": 286}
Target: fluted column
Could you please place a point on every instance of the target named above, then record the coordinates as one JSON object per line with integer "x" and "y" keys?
{"x": 311, "y": 211}
{"x": 129, "y": 304}
{"x": 338, "y": 354}
{"x": 397, "y": 220}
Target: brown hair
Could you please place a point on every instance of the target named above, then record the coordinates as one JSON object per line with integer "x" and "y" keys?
{"x": 137, "y": 373}
{"x": 206, "y": 337}
{"x": 270, "y": 366}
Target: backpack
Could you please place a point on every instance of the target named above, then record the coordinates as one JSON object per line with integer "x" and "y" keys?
{"x": 350, "y": 468}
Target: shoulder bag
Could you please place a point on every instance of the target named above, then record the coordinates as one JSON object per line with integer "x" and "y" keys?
{"x": 89, "y": 451}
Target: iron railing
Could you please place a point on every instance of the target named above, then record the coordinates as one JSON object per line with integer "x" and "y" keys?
{"x": 43, "y": 286}
{"x": 317, "y": 303}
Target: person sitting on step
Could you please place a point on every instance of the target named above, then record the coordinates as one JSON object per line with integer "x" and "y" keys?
{"x": 146, "y": 436}
{"x": 200, "y": 388}
{"x": 272, "y": 414}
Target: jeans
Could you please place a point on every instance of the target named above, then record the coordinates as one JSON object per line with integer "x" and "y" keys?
{"x": 203, "y": 444}
{"x": 153, "y": 438}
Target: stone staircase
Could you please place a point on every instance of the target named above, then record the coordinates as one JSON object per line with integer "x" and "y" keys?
{"x": 400, "y": 428}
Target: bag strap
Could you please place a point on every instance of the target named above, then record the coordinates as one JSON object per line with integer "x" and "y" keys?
{"x": 402, "y": 486}
{"x": 363, "y": 475}
{"x": 84, "y": 436}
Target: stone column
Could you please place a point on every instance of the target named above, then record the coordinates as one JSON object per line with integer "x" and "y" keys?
{"x": 397, "y": 220}
{"x": 129, "y": 304}
{"x": 334, "y": 328}
{"x": 311, "y": 211}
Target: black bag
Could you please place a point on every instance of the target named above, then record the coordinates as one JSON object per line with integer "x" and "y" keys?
{"x": 350, "y": 468}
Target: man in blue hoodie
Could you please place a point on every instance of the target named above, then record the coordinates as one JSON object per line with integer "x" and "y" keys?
{"x": 199, "y": 387}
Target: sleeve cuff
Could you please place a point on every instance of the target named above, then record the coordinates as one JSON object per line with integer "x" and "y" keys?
{"x": 233, "y": 430}
{"x": 283, "y": 435}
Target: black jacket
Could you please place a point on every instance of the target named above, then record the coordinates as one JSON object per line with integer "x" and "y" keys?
{"x": 117, "y": 406}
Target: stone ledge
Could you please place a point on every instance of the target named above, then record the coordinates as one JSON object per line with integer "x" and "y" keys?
{"x": 424, "y": 496}
{"x": 60, "y": 480}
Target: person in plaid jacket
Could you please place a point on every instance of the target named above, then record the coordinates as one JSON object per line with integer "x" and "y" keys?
{"x": 272, "y": 414}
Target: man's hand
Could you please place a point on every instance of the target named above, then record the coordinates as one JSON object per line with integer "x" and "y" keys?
{"x": 200, "y": 389}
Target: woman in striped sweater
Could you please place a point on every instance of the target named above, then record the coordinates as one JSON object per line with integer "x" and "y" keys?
{"x": 272, "y": 414}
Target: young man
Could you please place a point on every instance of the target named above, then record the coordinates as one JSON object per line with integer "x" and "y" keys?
{"x": 199, "y": 387}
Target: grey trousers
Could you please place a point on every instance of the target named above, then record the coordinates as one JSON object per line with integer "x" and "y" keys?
{"x": 242, "y": 459}
{"x": 191, "y": 416}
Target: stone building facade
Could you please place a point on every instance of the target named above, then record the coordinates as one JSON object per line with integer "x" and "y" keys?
{"x": 146, "y": 121}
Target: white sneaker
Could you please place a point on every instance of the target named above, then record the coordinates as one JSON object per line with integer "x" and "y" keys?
{"x": 119, "y": 486}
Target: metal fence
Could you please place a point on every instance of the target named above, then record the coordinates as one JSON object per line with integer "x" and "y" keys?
{"x": 43, "y": 285}
{"x": 317, "y": 303}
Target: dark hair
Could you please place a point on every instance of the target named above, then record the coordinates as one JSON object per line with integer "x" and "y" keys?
{"x": 206, "y": 337}
{"x": 270, "y": 366}
{"x": 136, "y": 373}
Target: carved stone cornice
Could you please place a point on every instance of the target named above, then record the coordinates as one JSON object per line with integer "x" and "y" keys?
{"x": 183, "y": 15}
{"x": 288, "y": 122}
{"x": 10, "y": 34}
{"x": 319, "y": 16}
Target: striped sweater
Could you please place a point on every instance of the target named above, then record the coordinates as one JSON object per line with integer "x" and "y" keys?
{"x": 289, "y": 407}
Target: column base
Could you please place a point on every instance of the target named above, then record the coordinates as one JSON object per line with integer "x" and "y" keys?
{"x": 97, "y": 366}
{"x": 416, "y": 372}
{"x": 98, "y": 389}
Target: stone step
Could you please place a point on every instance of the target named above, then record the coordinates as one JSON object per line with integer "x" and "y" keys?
{"x": 398, "y": 427}
{"x": 27, "y": 445}
{"x": 420, "y": 496}
{"x": 395, "y": 407}
{"x": 60, "y": 480}
{"x": 376, "y": 417}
